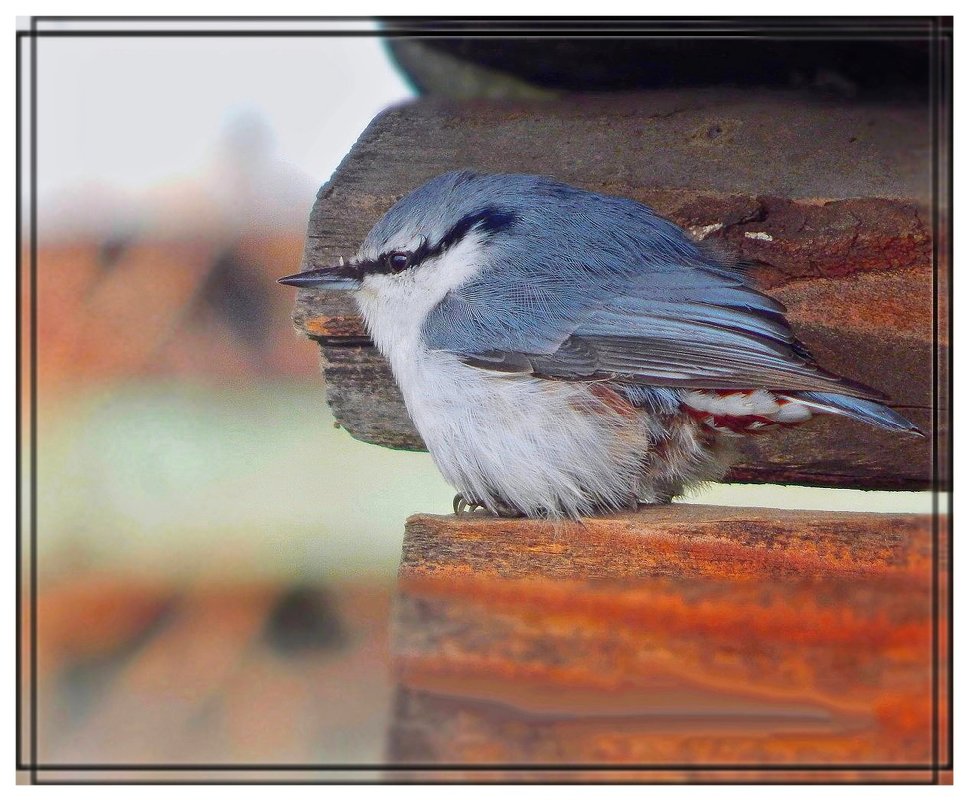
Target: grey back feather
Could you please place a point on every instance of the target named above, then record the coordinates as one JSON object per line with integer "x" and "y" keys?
{"x": 585, "y": 286}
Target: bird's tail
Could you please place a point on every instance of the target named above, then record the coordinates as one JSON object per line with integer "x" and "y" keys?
{"x": 867, "y": 411}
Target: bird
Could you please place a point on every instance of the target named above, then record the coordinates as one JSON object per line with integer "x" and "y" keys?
{"x": 565, "y": 353}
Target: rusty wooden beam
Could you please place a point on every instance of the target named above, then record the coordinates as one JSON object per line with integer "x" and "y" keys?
{"x": 828, "y": 199}
{"x": 684, "y": 635}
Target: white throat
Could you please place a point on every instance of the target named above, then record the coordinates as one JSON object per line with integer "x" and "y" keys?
{"x": 394, "y": 307}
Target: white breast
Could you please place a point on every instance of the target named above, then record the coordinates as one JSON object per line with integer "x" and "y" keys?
{"x": 545, "y": 447}
{"x": 541, "y": 446}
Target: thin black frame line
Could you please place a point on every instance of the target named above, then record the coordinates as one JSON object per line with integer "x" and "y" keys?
{"x": 458, "y": 781}
{"x": 33, "y": 403}
{"x": 34, "y": 112}
{"x": 950, "y": 545}
{"x": 517, "y": 767}
{"x": 476, "y": 781}
{"x": 458, "y": 34}
{"x": 33, "y": 361}
{"x": 942, "y": 119}
{"x": 788, "y": 32}
{"x": 933, "y": 133}
{"x": 693, "y": 23}
{"x": 942, "y": 176}
{"x": 945, "y": 69}
{"x": 832, "y": 22}
{"x": 922, "y": 27}
{"x": 18, "y": 413}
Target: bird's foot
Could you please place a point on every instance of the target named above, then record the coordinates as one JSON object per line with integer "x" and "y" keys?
{"x": 462, "y": 505}
{"x": 465, "y": 505}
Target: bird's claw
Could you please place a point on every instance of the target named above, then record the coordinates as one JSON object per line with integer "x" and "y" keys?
{"x": 461, "y": 505}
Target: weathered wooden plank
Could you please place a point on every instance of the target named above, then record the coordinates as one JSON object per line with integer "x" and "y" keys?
{"x": 827, "y": 198}
{"x": 683, "y": 635}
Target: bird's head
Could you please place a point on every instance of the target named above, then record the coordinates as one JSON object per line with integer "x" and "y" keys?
{"x": 431, "y": 241}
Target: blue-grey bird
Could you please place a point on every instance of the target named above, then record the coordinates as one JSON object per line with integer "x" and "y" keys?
{"x": 565, "y": 353}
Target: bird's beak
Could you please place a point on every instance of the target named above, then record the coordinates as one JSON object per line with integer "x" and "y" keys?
{"x": 337, "y": 277}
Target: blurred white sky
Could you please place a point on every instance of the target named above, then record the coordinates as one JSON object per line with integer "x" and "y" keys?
{"x": 118, "y": 117}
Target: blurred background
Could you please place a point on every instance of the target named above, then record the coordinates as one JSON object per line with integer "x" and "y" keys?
{"x": 217, "y": 561}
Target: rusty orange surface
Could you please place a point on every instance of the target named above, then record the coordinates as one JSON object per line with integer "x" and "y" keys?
{"x": 683, "y": 635}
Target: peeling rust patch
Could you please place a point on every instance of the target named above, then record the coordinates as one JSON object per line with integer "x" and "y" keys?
{"x": 798, "y": 240}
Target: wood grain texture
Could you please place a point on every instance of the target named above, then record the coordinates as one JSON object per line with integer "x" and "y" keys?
{"x": 828, "y": 199}
{"x": 685, "y": 635}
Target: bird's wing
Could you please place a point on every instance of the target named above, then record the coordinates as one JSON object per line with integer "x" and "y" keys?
{"x": 666, "y": 325}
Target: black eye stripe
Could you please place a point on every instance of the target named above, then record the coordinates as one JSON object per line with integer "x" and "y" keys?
{"x": 490, "y": 220}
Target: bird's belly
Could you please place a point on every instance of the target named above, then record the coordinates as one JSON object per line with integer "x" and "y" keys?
{"x": 537, "y": 444}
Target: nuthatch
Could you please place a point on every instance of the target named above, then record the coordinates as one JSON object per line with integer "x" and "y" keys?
{"x": 565, "y": 353}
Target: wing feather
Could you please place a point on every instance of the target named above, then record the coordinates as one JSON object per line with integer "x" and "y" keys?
{"x": 637, "y": 302}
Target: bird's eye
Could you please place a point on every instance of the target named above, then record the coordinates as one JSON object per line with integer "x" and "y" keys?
{"x": 398, "y": 261}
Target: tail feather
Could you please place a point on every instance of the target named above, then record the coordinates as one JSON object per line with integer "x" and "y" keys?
{"x": 867, "y": 411}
